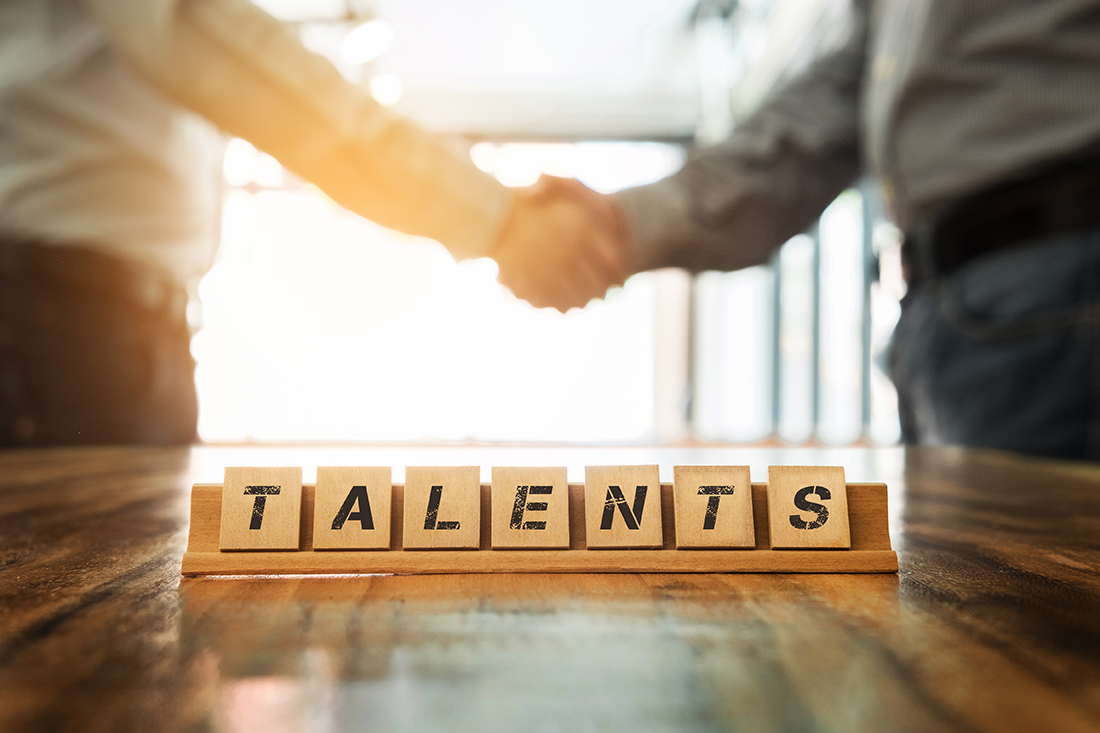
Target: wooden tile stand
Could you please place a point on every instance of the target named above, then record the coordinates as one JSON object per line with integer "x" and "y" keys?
{"x": 870, "y": 550}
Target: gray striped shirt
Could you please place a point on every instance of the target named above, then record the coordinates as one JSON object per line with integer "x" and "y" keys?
{"x": 939, "y": 98}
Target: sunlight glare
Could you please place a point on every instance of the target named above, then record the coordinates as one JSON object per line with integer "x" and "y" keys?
{"x": 386, "y": 89}
{"x": 320, "y": 325}
{"x": 367, "y": 42}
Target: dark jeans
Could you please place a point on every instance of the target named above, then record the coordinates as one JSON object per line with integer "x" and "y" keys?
{"x": 1003, "y": 352}
{"x": 92, "y": 350}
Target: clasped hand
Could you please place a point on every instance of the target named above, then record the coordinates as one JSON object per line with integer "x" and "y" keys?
{"x": 563, "y": 245}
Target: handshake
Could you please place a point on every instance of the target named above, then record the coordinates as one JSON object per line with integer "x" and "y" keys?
{"x": 563, "y": 245}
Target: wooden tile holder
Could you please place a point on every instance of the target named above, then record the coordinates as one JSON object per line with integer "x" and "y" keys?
{"x": 870, "y": 545}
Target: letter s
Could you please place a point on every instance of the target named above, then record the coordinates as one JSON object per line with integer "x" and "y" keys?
{"x": 801, "y": 502}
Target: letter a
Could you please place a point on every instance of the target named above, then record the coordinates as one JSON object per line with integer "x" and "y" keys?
{"x": 357, "y": 495}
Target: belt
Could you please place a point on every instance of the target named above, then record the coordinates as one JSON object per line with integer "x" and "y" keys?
{"x": 90, "y": 273}
{"x": 1061, "y": 199}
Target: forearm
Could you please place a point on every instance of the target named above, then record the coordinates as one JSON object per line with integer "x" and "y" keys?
{"x": 732, "y": 205}
{"x": 240, "y": 68}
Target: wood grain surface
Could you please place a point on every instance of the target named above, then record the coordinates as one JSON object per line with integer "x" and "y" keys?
{"x": 441, "y": 508}
{"x": 992, "y": 624}
{"x": 814, "y": 497}
{"x": 622, "y": 507}
{"x": 260, "y": 508}
{"x": 351, "y": 508}
{"x": 713, "y": 507}
{"x": 529, "y": 508}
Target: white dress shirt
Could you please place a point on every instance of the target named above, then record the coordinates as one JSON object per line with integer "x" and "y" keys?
{"x": 101, "y": 146}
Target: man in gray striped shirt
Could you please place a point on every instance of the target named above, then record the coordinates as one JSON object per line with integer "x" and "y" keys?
{"x": 981, "y": 118}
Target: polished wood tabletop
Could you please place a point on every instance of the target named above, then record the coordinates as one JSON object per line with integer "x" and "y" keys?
{"x": 992, "y": 623}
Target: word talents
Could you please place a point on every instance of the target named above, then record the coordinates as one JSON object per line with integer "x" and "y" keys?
{"x": 621, "y": 519}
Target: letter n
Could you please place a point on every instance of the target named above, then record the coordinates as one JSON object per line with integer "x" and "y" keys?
{"x": 615, "y": 498}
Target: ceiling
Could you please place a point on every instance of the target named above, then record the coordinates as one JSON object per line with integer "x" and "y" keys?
{"x": 567, "y": 69}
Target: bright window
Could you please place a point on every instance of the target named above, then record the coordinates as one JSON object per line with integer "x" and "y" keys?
{"x": 318, "y": 325}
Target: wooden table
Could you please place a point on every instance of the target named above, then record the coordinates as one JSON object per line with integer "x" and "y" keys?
{"x": 993, "y": 623}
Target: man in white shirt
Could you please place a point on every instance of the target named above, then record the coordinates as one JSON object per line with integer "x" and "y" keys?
{"x": 109, "y": 200}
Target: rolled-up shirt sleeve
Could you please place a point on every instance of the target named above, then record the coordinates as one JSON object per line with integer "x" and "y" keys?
{"x": 731, "y": 205}
{"x": 241, "y": 69}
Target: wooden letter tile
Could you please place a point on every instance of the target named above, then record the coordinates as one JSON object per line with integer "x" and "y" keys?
{"x": 442, "y": 508}
{"x": 808, "y": 507}
{"x": 530, "y": 508}
{"x": 622, "y": 507}
{"x": 713, "y": 506}
{"x": 351, "y": 508}
{"x": 261, "y": 508}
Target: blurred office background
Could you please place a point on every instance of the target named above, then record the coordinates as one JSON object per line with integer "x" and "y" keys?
{"x": 317, "y": 325}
